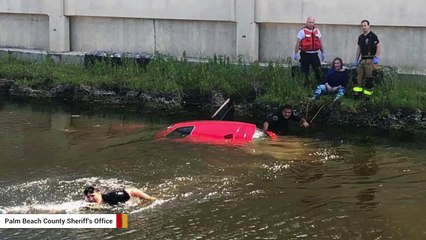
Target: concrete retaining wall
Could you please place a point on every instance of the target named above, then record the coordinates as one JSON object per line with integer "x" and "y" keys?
{"x": 261, "y": 30}
{"x": 35, "y": 36}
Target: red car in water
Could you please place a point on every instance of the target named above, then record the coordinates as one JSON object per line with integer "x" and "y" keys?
{"x": 214, "y": 132}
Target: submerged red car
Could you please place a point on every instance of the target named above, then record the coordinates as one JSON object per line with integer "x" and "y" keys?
{"x": 214, "y": 132}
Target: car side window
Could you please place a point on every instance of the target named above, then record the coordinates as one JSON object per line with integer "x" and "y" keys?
{"x": 181, "y": 132}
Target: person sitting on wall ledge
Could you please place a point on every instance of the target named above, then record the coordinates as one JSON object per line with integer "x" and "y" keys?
{"x": 335, "y": 81}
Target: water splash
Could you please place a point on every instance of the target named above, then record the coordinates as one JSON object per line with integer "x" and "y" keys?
{"x": 48, "y": 208}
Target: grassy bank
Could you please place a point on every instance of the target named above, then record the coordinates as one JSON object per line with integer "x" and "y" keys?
{"x": 245, "y": 83}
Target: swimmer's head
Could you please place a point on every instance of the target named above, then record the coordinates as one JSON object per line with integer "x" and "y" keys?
{"x": 90, "y": 193}
{"x": 90, "y": 189}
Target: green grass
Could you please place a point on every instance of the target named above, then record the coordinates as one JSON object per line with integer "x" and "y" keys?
{"x": 408, "y": 92}
{"x": 271, "y": 84}
{"x": 403, "y": 92}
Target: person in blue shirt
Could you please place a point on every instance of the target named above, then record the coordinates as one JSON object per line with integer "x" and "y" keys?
{"x": 335, "y": 81}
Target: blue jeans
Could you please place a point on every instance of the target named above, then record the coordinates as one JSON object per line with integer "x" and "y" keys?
{"x": 322, "y": 89}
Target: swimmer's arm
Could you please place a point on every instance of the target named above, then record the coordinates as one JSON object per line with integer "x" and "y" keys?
{"x": 134, "y": 192}
{"x": 49, "y": 211}
{"x": 57, "y": 212}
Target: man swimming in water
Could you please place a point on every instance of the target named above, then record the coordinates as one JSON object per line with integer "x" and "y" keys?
{"x": 93, "y": 194}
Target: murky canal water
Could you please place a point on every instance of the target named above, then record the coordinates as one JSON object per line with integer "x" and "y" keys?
{"x": 326, "y": 183}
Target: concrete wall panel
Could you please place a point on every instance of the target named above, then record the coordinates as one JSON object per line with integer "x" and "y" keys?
{"x": 25, "y": 6}
{"x": 379, "y": 12}
{"x": 197, "y": 39}
{"x": 207, "y": 10}
{"x": 404, "y": 47}
{"x": 340, "y": 41}
{"x": 277, "y": 41}
{"x": 24, "y": 31}
{"x": 89, "y": 34}
{"x": 279, "y": 11}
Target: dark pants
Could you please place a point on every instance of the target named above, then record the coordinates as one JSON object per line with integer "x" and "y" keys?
{"x": 310, "y": 59}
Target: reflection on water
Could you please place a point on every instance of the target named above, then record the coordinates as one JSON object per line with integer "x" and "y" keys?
{"x": 293, "y": 148}
{"x": 340, "y": 184}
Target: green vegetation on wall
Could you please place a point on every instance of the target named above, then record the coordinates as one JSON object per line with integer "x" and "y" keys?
{"x": 270, "y": 84}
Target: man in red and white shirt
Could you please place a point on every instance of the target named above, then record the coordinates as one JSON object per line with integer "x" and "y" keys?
{"x": 309, "y": 43}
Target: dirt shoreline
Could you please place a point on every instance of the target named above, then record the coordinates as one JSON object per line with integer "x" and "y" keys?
{"x": 144, "y": 101}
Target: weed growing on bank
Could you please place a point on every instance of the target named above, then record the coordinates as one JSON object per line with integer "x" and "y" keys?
{"x": 403, "y": 92}
{"x": 270, "y": 84}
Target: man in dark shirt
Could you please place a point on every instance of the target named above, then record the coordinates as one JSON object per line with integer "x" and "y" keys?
{"x": 93, "y": 194}
{"x": 278, "y": 123}
{"x": 367, "y": 52}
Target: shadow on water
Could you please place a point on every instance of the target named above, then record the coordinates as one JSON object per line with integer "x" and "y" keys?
{"x": 347, "y": 183}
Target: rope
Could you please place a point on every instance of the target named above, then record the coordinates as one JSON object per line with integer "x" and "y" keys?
{"x": 319, "y": 110}
{"x": 307, "y": 110}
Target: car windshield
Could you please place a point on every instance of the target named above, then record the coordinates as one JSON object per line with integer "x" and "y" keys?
{"x": 181, "y": 132}
{"x": 259, "y": 134}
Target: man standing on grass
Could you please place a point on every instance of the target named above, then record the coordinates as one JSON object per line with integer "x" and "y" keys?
{"x": 309, "y": 42}
{"x": 367, "y": 53}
